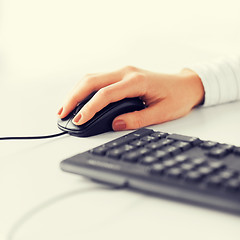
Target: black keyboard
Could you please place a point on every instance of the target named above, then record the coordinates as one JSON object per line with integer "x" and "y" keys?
{"x": 178, "y": 167}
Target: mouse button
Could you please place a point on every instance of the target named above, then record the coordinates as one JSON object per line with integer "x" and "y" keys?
{"x": 63, "y": 121}
{"x": 72, "y": 127}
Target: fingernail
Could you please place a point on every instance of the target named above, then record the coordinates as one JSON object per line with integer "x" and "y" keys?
{"x": 77, "y": 118}
{"x": 60, "y": 111}
{"x": 119, "y": 125}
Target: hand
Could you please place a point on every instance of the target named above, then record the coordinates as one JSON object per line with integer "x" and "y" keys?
{"x": 167, "y": 96}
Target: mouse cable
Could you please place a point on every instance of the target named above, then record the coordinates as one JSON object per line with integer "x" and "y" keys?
{"x": 33, "y": 137}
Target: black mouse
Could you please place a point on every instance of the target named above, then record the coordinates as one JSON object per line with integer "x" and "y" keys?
{"x": 102, "y": 121}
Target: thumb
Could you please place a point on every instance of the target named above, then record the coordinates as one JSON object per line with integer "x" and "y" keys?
{"x": 134, "y": 120}
{"x": 159, "y": 112}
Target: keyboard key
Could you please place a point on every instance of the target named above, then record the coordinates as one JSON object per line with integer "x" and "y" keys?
{"x": 101, "y": 150}
{"x": 221, "y": 177}
{"x": 117, "y": 152}
{"x": 181, "y": 158}
{"x": 193, "y": 176}
{"x": 193, "y": 140}
{"x": 114, "y": 144}
{"x": 233, "y": 184}
{"x": 187, "y": 166}
{"x": 160, "y": 155}
{"x": 183, "y": 145}
{"x": 149, "y": 138}
{"x": 175, "y": 172}
{"x": 157, "y": 168}
{"x": 197, "y": 161}
{"x": 135, "y": 155}
{"x": 169, "y": 163}
{"x": 143, "y": 151}
{"x": 164, "y": 142}
{"x": 141, "y": 132}
{"x": 227, "y": 174}
{"x": 208, "y": 144}
{"x": 216, "y": 165}
{"x": 171, "y": 150}
{"x": 126, "y": 147}
{"x": 120, "y": 141}
{"x": 159, "y": 134}
{"x": 214, "y": 181}
{"x": 159, "y": 144}
{"x": 218, "y": 152}
{"x": 154, "y": 145}
{"x": 138, "y": 143}
{"x": 148, "y": 160}
{"x": 205, "y": 170}
{"x": 131, "y": 156}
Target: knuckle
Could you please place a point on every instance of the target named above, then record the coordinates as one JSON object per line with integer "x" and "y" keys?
{"x": 89, "y": 80}
{"x": 130, "y": 68}
{"x": 104, "y": 93}
{"x": 138, "y": 78}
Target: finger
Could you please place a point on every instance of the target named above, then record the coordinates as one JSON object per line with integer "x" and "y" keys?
{"x": 130, "y": 86}
{"x": 85, "y": 87}
{"x": 155, "y": 114}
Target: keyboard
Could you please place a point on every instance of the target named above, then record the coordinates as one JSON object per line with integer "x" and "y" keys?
{"x": 173, "y": 166}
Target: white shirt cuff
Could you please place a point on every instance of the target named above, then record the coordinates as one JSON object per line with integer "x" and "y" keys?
{"x": 221, "y": 80}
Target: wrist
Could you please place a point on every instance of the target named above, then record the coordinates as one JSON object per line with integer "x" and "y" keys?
{"x": 194, "y": 83}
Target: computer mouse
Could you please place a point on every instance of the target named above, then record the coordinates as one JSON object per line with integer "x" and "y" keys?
{"x": 102, "y": 121}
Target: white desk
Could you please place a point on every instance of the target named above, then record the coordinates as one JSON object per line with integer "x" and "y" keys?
{"x": 39, "y": 201}
{"x": 46, "y": 48}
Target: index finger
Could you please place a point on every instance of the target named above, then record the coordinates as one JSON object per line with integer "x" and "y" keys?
{"x": 85, "y": 87}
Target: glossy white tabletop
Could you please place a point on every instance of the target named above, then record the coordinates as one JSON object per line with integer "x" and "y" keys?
{"x": 46, "y": 47}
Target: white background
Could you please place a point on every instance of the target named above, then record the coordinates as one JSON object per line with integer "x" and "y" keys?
{"x": 45, "y": 48}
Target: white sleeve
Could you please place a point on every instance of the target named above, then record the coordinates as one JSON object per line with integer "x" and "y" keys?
{"x": 221, "y": 80}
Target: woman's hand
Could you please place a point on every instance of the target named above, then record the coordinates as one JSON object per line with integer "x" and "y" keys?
{"x": 167, "y": 96}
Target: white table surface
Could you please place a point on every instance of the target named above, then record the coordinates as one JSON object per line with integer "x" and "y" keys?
{"x": 45, "y": 48}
